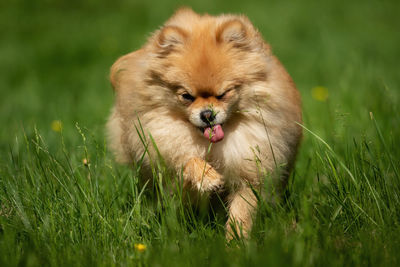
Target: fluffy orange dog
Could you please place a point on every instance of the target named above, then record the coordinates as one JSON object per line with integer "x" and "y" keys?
{"x": 202, "y": 79}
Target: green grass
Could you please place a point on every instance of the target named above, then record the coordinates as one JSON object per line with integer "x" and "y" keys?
{"x": 344, "y": 203}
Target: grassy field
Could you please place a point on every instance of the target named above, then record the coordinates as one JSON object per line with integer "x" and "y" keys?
{"x": 344, "y": 203}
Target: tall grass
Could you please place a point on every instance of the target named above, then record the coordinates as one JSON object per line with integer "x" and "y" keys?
{"x": 61, "y": 209}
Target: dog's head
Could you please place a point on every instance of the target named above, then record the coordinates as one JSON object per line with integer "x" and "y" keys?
{"x": 199, "y": 64}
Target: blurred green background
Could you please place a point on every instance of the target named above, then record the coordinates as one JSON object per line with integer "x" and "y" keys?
{"x": 55, "y": 57}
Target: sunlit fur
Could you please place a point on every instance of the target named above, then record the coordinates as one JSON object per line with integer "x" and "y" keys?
{"x": 206, "y": 56}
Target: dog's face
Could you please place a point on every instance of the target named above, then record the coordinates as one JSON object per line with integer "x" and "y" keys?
{"x": 205, "y": 68}
{"x": 205, "y": 85}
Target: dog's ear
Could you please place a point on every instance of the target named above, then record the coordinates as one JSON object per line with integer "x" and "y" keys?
{"x": 115, "y": 69}
{"x": 170, "y": 37}
{"x": 233, "y": 31}
{"x": 121, "y": 65}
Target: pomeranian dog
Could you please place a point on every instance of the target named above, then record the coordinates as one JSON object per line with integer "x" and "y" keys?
{"x": 202, "y": 80}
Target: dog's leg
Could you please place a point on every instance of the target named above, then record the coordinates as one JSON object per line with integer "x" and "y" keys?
{"x": 243, "y": 204}
{"x": 199, "y": 175}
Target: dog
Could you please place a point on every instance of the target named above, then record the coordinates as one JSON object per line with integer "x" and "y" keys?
{"x": 217, "y": 105}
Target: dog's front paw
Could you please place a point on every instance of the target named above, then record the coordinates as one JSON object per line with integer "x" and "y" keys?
{"x": 201, "y": 176}
{"x": 209, "y": 181}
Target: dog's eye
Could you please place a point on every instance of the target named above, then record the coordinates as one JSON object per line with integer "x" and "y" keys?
{"x": 224, "y": 94}
{"x": 228, "y": 90}
{"x": 221, "y": 95}
{"x": 188, "y": 97}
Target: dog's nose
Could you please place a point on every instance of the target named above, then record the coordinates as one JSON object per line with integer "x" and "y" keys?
{"x": 207, "y": 116}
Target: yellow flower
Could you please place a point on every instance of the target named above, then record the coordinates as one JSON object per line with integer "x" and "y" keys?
{"x": 56, "y": 125}
{"x": 140, "y": 247}
{"x": 320, "y": 93}
{"x": 85, "y": 162}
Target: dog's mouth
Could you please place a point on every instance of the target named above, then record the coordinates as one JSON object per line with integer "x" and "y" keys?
{"x": 214, "y": 133}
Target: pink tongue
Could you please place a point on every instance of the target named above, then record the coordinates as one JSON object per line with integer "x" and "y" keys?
{"x": 214, "y": 134}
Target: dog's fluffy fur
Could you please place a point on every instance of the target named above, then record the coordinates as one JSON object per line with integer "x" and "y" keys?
{"x": 196, "y": 63}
